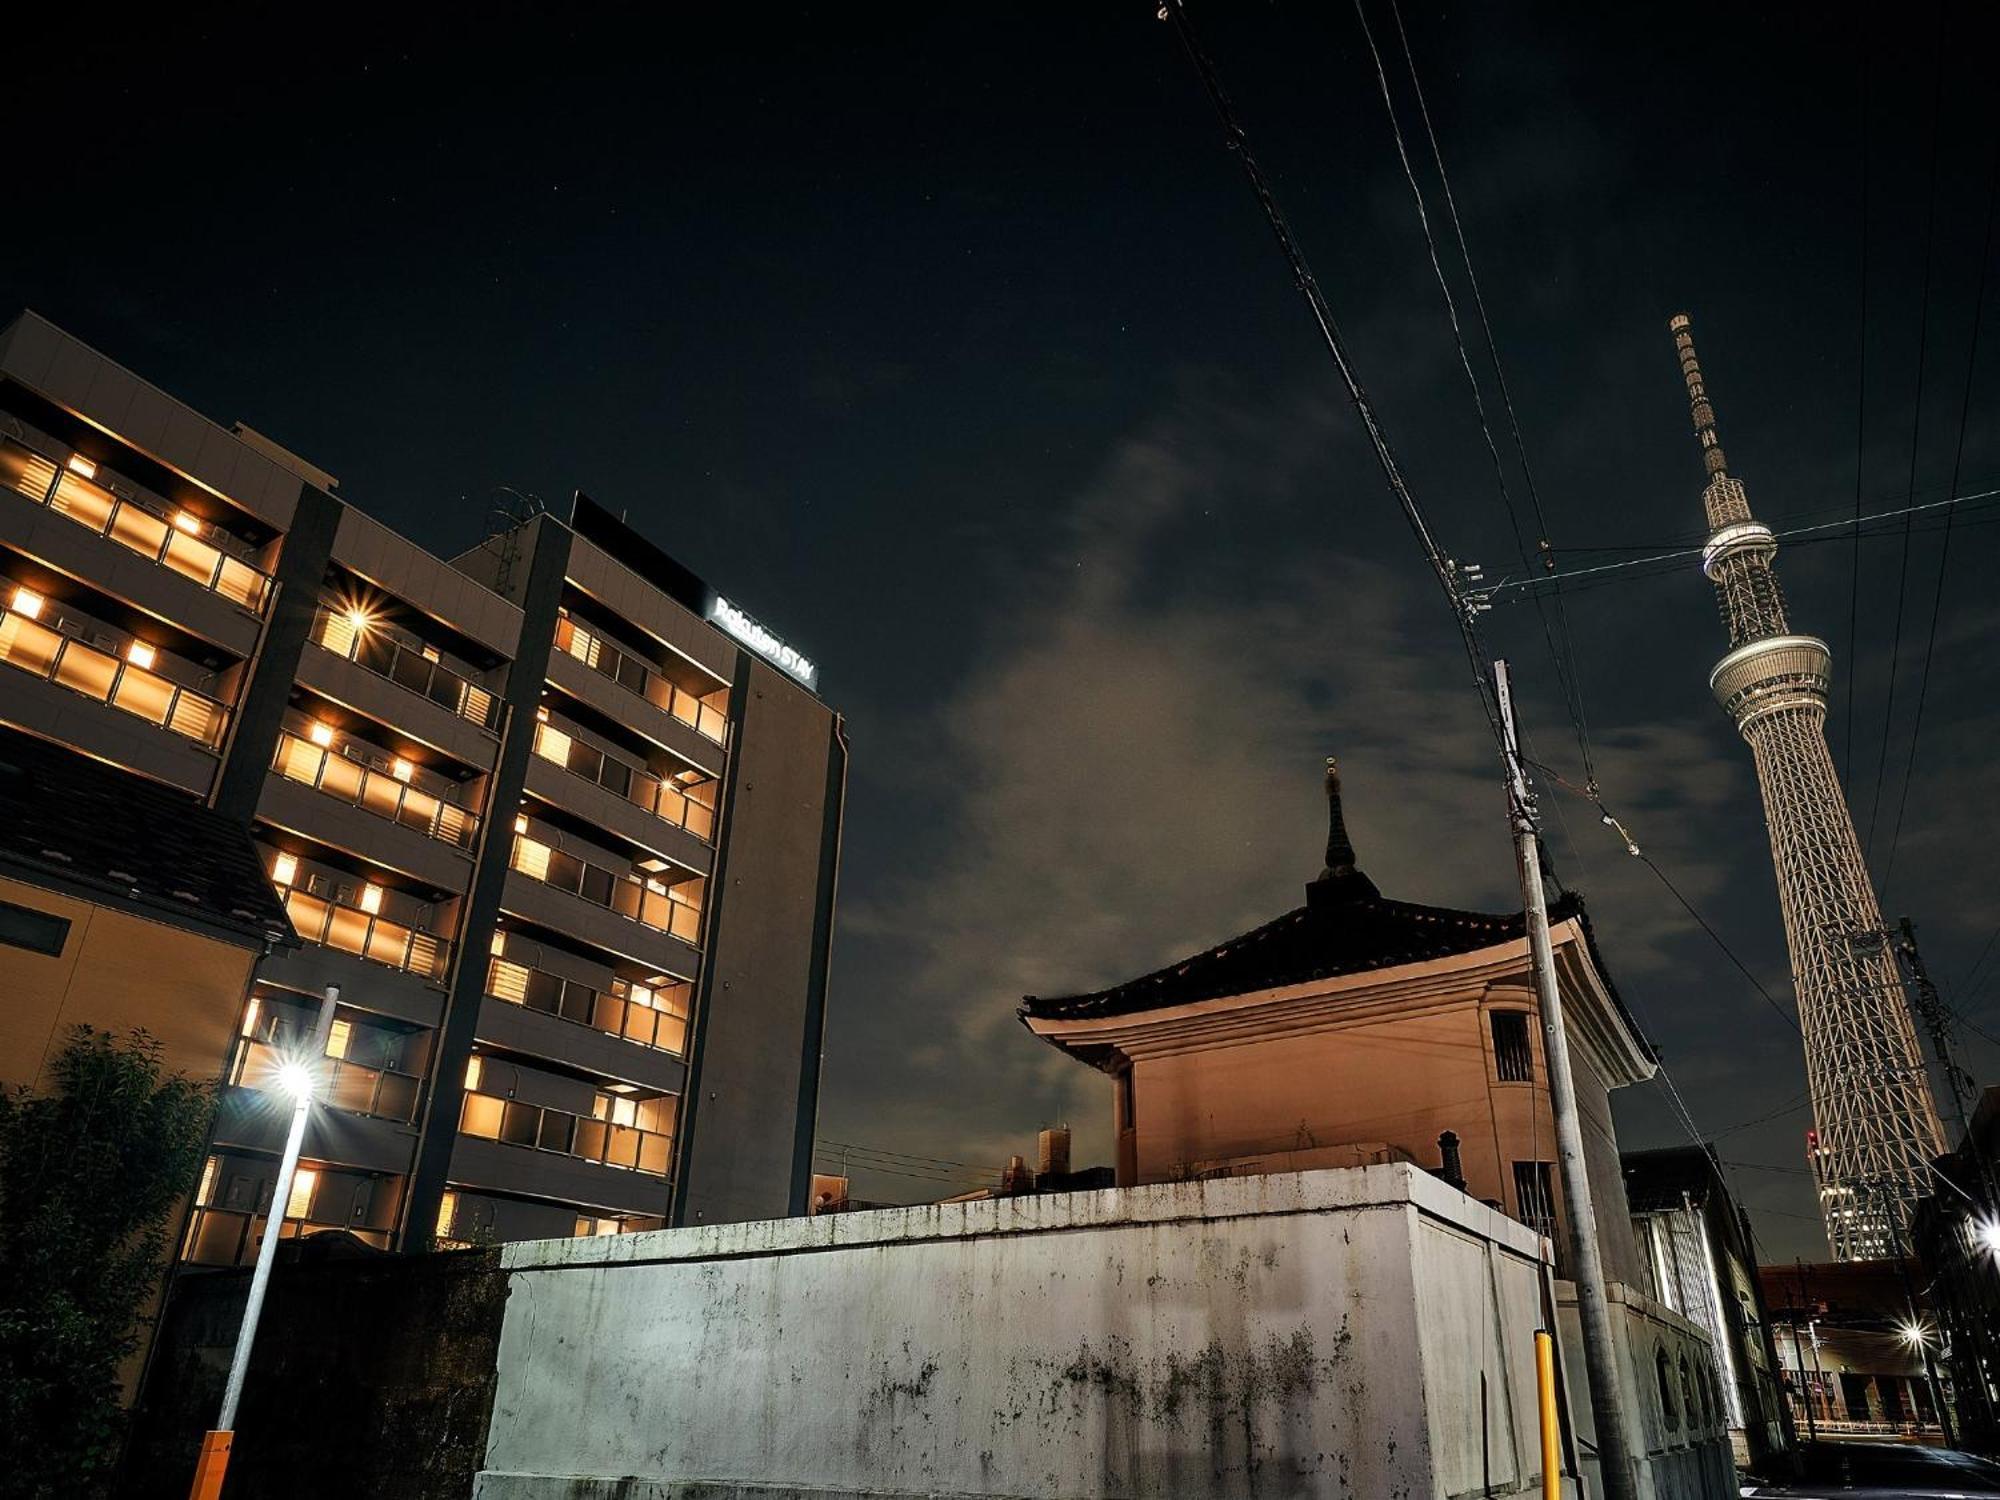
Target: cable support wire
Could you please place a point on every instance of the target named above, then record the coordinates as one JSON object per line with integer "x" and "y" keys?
{"x": 1944, "y": 549}
{"x": 1670, "y": 559}
{"x": 1916, "y": 431}
{"x": 1563, "y": 659}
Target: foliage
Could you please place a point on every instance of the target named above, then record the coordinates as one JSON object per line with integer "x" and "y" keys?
{"x": 90, "y": 1170}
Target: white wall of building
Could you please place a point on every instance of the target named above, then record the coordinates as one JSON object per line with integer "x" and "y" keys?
{"x": 1321, "y": 1333}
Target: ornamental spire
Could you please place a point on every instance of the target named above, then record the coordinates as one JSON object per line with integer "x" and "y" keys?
{"x": 1342, "y": 879}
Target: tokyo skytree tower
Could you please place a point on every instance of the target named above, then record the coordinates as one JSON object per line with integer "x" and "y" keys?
{"x": 1877, "y": 1126}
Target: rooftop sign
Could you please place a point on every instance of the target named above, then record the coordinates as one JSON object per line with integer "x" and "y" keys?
{"x": 757, "y": 638}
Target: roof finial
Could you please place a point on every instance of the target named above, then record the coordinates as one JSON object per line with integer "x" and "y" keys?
{"x": 1339, "y": 852}
{"x": 1704, "y": 414}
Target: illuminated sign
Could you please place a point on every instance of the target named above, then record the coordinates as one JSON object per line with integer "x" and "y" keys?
{"x": 760, "y": 640}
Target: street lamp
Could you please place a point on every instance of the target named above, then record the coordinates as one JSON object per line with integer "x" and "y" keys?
{"x": 298, "y": 1076}
{"x": 1989, "y": 1235}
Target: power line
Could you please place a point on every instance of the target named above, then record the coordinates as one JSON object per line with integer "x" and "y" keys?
{"x": 1860, "y": 429}
{"x": 1944, "y": 550}
{"x": 1563, "y": 660}
{"x": 1916, "y": 430}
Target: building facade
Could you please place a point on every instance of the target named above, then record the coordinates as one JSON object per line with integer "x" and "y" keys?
{"x": 1359, "y": 1029}
{"x": 1957, "y": 1236}
{"x": 561, "y": 823}
{"x": 1699, "y": 1260}
{"x": 1847, "y": 1345}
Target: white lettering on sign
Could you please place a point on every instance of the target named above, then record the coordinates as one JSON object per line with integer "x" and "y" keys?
{"x": 760, "y": 640}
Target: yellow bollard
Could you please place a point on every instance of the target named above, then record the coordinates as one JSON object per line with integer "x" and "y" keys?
{"x": 213, "y": 1464}
{"x": 1545, "y": 1384}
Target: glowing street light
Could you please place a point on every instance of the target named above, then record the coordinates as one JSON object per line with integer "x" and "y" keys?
{"x": 299, "y": 1077}
{"x": 1989, "y": 1235}
{"x": 1915, "y": 1335}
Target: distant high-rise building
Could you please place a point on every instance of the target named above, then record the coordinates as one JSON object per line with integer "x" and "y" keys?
{"x": 560, "y": 821}
{"x": 1877, "y": 1125}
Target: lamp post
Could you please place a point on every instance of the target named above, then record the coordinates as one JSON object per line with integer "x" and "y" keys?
{"x": 299, "y": 1076}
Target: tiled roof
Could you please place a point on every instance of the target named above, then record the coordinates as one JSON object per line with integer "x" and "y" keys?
{"x": 106, "y": 830}
{"x": 1335, "y": 932}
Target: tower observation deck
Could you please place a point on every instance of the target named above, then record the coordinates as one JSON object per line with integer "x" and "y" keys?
{"x": 1876, "y": 1123}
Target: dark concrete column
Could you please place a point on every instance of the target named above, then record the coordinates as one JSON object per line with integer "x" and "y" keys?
{"x": 548, "y": 565}
{"x": 303, "y": 557}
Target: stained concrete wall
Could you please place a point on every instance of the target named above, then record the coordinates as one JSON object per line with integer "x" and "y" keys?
{"x": 1321, "y": 1333}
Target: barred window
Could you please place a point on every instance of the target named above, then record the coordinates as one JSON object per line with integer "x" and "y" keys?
{"x": 1513, "y": 1054}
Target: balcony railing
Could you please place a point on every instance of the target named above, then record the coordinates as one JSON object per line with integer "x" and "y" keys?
{"x": 105, "y": 678}
{"x": 642, "y": 789}
{"x": 650, "y": 903}
{"x": 374, "y": 791}
{"x": 373, "y": 646}
{"x": 635, "y": 676}
{"x": 595, "y": 1139}
{"x": 366, "y": 935}
{"x": 173, "y": 540}
{"x": 355, "y": 1087}
{"x": 652, "y": 1018}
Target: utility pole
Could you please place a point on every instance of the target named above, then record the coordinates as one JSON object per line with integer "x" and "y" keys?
{"x": 300, "y": 1077}
{"x": 1600, "y": 1354}
{"x": 1931, "y": 1011}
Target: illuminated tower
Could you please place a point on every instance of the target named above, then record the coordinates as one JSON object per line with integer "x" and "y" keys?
{"x": 1877, "y": 1127}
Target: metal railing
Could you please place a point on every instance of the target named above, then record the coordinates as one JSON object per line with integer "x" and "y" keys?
{"x": 636, "y": 676}
{"x": 349, "y": 929}
{"x": 650, "y": 903}
{"x": 645, "y": 791}
{"x": 378, "y": 792}
{"x": 564, "y": 1134}
{"x": 104, "y": 678}
{"x": 375, "y": 647}
{"x": 628, "y": 1016}
{"x": 174, "y": 539}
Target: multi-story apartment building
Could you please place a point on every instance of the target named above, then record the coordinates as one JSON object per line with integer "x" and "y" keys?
{"x": 561, "y": 823}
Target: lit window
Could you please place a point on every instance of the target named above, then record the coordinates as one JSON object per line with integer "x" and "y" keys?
{"x": 250, "y": 1014}
{"x": 402, "y": 769}
{"x": 430, "y": 653}
{"x": 284, "y": 869}
{"x": 474, "y": 1066}
{"x": 320, "y": 734}
{"x": 83, "y": 466}
{"x": 542, "y": 715}
{"x": 447, "y": 1212}
{"x": 299, "y": 1205}
{"x": 499, "y": 943}
{"x": 521, "y": 823}
{"x": 338, "y": 1037}
{"x": 371, "y": 898}
{"x": 187, "y": 523}
{"x": 139, "y": 654}
{"x": 206, "y": 1192}
{"x": 28, "y": 602}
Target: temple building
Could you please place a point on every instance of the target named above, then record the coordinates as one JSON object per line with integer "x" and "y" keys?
{"x": 1358, "y": 1028}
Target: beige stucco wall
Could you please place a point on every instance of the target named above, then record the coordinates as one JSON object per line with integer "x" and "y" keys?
{"x": 117, "y": 972}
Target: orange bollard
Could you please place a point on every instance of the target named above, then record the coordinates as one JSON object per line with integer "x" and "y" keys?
{"x": 1545, "y": 1385}
{"x": 213, "y": 1464}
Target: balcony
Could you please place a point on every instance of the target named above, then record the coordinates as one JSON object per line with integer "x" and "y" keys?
{"x": 650, "y": 1017}
{"x": 368, "y": 935}
{"x": 382, "y": 651}
{"x": 156, "y": 531}
{"x": 703, "y": 715}
{"x": 646, "y": 901}
{"x": 378, "y": 1093}
{"x": 96, "y": 674}
{"x": 382, "y": 793}
{"x": 231, "y": 1237}
{"x": 667, "y": 800}
{"x": 635, "y": 1135}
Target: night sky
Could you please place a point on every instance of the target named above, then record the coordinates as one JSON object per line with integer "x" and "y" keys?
{"x": 952, "y": 344}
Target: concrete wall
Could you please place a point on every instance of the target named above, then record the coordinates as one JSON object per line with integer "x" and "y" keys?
{"x": 1322, "y": 1333}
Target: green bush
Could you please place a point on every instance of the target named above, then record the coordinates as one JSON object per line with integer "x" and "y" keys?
{"x": 90, "y": 1169}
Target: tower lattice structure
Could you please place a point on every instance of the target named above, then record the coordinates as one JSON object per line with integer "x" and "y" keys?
{"x": 1876, "y": 1123}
